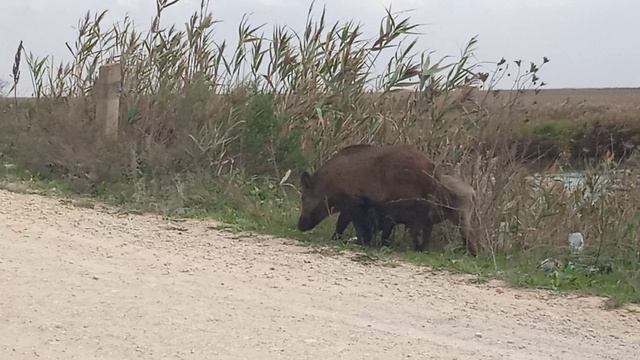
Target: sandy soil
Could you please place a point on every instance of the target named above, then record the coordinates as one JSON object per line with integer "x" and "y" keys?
{"x": 78, "y": 283}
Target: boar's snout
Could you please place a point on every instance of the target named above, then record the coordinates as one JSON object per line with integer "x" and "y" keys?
{"x": 305, "y": 223}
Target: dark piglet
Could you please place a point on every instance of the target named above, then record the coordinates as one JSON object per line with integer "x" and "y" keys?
{"x": 455, "y": 203}
{"x": 369, "y": 217}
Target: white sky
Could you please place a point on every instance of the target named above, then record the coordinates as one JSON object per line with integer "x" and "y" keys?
{"x": 591, "y": 43}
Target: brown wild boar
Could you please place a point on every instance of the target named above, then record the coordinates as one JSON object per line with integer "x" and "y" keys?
{"x": 382, "y": 173}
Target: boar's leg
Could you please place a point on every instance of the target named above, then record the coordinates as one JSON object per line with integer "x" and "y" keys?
{"x": 363, "y": 225}
{"x": 387, "y": 226}
{"x": 365, "y": 219}
{"x": 417, "y": 236}
{"x": 427, "y": 228}
{"x": 462, "y": 219}
{"x": 467, "y": 236}
{"x": 421, "y": 234}
{"x": 341, "y": 225}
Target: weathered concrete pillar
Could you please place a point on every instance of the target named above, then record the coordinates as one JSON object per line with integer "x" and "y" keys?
{"x": 108, "y": 98}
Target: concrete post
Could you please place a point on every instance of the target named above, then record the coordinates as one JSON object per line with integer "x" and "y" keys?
{"x": 108, "y": 98}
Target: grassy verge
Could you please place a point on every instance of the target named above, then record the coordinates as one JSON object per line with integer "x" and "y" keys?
{"x": 260, "y": 205}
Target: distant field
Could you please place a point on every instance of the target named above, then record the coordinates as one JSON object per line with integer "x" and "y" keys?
{"x": 596, "y": 97}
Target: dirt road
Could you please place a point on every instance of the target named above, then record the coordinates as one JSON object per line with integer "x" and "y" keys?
{"x": 78, "y": 283}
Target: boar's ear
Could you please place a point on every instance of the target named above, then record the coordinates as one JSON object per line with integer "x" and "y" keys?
{"x": 305, "y": 180}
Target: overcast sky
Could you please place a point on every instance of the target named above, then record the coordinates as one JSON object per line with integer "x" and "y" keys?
{"x": 591, "y": 43}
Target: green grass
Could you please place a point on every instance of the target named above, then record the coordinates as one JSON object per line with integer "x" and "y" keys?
{"x": 18, "y": 180}
{"x": 553, "y": 130}
{"x": 258, "y": 205}
{"x": 523, "y": 270}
